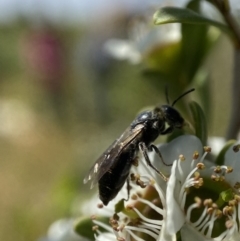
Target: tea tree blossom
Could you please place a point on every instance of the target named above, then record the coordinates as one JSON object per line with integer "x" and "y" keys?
{"x": 199, "y": 200}
{"x": 142, "y": 40}
{"x": 62, "y": 230}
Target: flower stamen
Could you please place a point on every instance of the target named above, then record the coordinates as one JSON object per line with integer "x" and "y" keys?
{"x": 143, "y": 230}
{"x": 153, "y": 221}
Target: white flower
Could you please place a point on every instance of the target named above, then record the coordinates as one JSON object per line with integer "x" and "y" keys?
{"x": 216, "y": 143}
{"x": 62, "y": 230}
{"x": 195, "y": 201}
{"x": 159, "y": 229}
{"x": 183, "y": 176}
{"x": 143, "y": 38}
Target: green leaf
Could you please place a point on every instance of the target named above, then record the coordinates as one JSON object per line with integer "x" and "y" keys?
{"x": 202, "y": 83}
{"x": 221, "y": 156}
{"x": 182, "y": 15}
{"x": 164, "y": 59}
{"x": 225, "y": 197}
{"x": 83, "y": 227}
{"x": 199, "y": 121}
{"x": 195, "y": 45}
{"x": 119, "y": 207}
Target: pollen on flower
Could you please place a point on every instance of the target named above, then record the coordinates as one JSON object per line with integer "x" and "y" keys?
{"x": 95, "y": 227}
{"x": 140, "y": 183}
{"x": 207, "y": 149}
{"x": 200, "y": 166}
{"x": 229, "y": 224}
{"x": 198, "y": 201}
{"x": 181, "y": 157}
{"x": 217, "y": 178}
{"x": 232, "y": 203}
{"x": 129, "y": 207}
{"x": 217, "y": 169}
{"x": 210, "y": 210}
{"x": 219, "y": 173}
{"x": 237, "y": 186}
{"x": 199, "y": 183}
{"x": 115, "y": 216}
{"x": 114, "y": 224}
{"x": 214, "y": 205}
{"x": 135, "y": 162}
{"x": 132, "y": 177}
{"x": 222, "y": 178}
{"x": 100, "y": 205}
{"x": 137, "y": 176}
{"x": 237, "y": 198}
{"x": 208, "y": 202}
{"x": 196, "y": 175}
{"x": 134, "y": 197}
{"x": 219, "y": 213}
{"x": 214, "y": 178}
{"x": 213, "y": 209}
{"x": 228, "y": 211}
{"x": 195, "y": 155}
{"x": 229, "y": 170}
{"x": 236, "y": 148}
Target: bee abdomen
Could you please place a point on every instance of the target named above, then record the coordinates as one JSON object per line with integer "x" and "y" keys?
{"x": 113, "y": 180}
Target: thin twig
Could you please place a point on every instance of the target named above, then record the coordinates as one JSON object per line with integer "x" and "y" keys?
{"x": 234, "y": 123}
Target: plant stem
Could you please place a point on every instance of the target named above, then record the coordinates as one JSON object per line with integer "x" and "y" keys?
{"x": 234, "y": 123}
{"x": 224, "y": 9}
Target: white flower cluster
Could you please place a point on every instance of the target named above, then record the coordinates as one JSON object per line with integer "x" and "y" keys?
{"x": 199, "y": 201}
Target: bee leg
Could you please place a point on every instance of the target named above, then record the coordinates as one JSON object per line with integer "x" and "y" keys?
{"x": 153, "y": 147}
{"x": 128, "y": 189}
{"x": 143, "y": 149}
{"x": 135, "y": 161}
{"x": 167, "y": 131}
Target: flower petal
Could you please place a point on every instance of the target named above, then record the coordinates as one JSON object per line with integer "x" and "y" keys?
{"x": 232, "y": 159}
{"x": 165, "y": 236}
{"x": 184, "y": 145}
{"x": 173, "y": 224}
{"x": 122, "y": 50}
{"x": 62, "y": 230}
{"x": 189, "y": 233}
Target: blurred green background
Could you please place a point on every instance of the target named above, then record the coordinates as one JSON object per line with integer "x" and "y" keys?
{"x": 56, "y": 118}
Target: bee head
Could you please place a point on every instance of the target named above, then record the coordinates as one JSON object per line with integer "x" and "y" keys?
{"x": 172, "y": 116}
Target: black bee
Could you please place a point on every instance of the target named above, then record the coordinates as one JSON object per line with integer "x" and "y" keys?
{"x": 112, "y": 168}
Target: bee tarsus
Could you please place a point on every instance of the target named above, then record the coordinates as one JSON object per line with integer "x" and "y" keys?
{"x": 143, "y": 148}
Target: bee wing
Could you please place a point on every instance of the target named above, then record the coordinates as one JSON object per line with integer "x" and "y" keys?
{"x": 108, "y": 158}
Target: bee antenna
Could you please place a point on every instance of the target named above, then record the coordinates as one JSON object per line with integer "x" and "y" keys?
{"x": 185, "y": 93}
{"x": 166, "y": 94}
